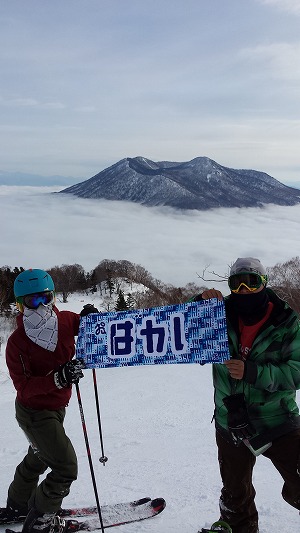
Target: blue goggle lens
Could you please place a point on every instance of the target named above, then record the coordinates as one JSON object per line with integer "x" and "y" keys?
{"x": 32, "y": 301}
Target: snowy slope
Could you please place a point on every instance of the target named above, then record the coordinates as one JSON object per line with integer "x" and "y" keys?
{"x": 159, "y": 442}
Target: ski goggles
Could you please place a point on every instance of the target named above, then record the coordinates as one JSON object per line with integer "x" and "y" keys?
{"x": 32, "y": 301}
{"x": 250, "y": 280}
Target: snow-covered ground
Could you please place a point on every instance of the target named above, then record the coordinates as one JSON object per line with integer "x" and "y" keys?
{"x": 159, "y": 440}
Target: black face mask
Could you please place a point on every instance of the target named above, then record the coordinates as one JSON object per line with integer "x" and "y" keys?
{"x": 251, "y": 307}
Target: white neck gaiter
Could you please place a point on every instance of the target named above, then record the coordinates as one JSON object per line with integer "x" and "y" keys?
{"x": 41, "y": 326}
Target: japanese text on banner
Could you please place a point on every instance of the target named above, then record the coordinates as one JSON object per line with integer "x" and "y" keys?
{"x": 194, "y": 332}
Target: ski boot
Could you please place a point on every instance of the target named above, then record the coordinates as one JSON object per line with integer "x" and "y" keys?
{"x": 59, "y": 525}
{"x": 220, "y": 526}
{"x": 12, "y": 512}
{"x": 37, "y": 522}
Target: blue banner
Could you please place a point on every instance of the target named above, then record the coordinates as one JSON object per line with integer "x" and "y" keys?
{"x": 193, "y": 332}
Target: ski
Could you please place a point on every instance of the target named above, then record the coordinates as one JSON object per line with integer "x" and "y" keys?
{"x": 74, "y": 511}
{"x": 87, "y": 511}
{"x": 113, "y": 515}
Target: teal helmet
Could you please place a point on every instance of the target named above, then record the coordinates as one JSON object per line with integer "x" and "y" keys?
{"x": 32, "y": 281}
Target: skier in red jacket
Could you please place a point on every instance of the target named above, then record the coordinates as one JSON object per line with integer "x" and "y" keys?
{"x": 39, "y": 358}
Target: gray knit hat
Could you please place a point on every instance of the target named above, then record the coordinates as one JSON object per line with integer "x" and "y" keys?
{"x": 247, "y": 264}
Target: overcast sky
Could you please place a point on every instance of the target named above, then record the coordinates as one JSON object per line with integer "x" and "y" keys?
{"x": 86, "y": 83}
{"x": 43, "y": 230}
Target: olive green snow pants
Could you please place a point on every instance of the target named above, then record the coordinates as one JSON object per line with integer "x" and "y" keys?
{"x": 49, "y": 448}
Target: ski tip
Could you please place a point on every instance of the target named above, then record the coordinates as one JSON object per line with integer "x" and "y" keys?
{"x": 158, "y": 505}
{"x": 141, "y": 501}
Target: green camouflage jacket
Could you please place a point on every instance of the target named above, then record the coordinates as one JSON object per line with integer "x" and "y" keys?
{"x": 272, "y": 372}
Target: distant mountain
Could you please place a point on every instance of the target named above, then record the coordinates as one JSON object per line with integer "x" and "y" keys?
{"x": 21, "y": 178}
{"x": 197, "y": 184}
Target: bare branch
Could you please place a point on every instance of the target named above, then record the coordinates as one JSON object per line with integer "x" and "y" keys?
{"x": 222, "y": 278}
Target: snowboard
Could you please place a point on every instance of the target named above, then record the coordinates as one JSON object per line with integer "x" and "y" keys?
{"x": 220, "y": 526}
{"x": 113, "y": 515}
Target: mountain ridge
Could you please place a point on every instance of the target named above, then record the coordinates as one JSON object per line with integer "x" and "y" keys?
{"x": 200, "y": 183}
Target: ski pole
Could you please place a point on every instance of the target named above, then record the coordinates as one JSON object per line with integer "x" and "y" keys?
{"x": 89, "y": 454}
{"x": 103, "y": 459}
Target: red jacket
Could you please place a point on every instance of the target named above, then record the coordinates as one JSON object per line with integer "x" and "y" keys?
{"x": 31, "y": 367}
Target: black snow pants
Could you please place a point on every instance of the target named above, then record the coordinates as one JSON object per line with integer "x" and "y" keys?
{"x": 237, "y": 506}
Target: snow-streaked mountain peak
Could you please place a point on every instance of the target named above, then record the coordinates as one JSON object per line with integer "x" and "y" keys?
{"x": 197, "y": 184}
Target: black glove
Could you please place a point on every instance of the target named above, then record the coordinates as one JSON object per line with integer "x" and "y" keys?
{"x": 88, "y": 309}
{"x": 238, "y": 420}
{"x": 68, "y": 373}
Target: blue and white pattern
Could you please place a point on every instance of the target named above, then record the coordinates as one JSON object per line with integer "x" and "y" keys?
{"x": 194, "y": 332}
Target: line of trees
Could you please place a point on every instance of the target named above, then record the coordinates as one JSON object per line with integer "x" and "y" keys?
{"x": 285, "y": 281}
{"x": 7, "y": 278}
{"x": 107, "y": 278}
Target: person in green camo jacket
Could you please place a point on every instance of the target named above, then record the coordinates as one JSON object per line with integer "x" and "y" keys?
{"x": 255, "y": 393}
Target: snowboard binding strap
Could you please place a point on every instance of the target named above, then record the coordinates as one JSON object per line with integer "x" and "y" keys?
{"x": 220, "y": 526}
